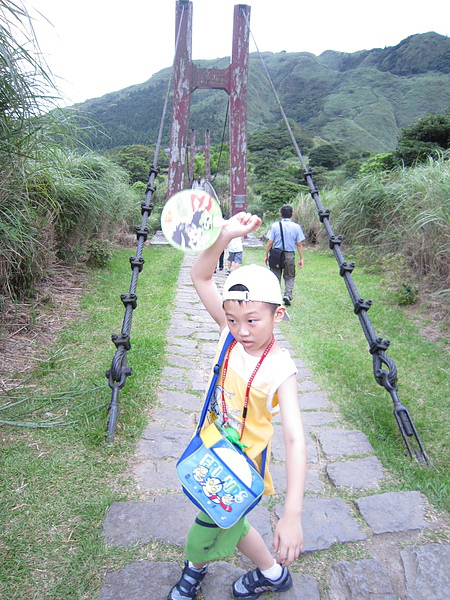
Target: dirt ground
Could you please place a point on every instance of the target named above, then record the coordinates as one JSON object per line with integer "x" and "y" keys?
{"x": 29, "y": 329}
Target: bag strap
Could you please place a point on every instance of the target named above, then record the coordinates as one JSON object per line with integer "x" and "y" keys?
{"x": 282, "y": 236}
{"x": 212, "y": 385}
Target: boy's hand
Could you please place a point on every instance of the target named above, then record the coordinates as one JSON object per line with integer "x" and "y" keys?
{"x": 240, "y": 225}
{"x": 288, "y": 540}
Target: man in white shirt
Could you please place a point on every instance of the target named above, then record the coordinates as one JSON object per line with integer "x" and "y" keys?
{"x": 293, "y": 238}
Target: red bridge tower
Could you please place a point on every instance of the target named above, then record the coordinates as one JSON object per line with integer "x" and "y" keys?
{"x": 188, "y": 77}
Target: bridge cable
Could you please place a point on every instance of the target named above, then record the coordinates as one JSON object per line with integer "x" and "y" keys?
{"x": 222, "y": 141}
{"x": 119, "y": 371}
{"x": 386, "y": 378}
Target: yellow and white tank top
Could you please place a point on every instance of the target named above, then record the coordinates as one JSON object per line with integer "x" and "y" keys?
{"x": 263, "y": 400}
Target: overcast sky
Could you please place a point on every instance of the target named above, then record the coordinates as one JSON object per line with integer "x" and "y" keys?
{"x": 99, "y": 46}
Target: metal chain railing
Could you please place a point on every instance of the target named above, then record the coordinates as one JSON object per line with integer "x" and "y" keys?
{"x": 119, "y": 371}
{"x": 377, "y": 346}
{"x": 387, "y": 378}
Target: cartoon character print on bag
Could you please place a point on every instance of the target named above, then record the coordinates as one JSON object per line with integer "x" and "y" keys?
{"x": 212, "y": 486}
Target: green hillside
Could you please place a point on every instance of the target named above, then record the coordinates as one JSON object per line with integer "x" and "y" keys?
{"x": 362, "y": 99}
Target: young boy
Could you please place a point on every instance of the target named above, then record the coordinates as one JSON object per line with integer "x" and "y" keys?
{"x": 250, "y": 307}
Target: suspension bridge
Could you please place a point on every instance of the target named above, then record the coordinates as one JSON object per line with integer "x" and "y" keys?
{"x": 344, "y": 504}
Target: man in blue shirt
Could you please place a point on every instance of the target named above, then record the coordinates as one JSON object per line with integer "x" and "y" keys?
{"x": 293, "y": 238}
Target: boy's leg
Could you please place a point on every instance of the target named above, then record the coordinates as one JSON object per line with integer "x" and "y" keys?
{"x": 269, "y": 576}
{"x": 254, "y": 548}
{"x": 205, "y": 542}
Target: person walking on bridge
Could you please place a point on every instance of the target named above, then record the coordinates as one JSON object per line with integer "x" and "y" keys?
{"x": 286, "y": 235}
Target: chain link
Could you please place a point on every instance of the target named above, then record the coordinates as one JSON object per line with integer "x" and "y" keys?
{"x": 386, "y": 378}
{"x": 119, "y": 371}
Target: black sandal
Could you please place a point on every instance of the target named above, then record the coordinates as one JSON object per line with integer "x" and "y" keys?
{"x": 251, "y": 585}
{"x": 188, "y": 585}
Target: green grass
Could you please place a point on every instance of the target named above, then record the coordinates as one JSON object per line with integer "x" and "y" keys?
{"x": 57, "y": 483}
{"x": 326, "y": 334}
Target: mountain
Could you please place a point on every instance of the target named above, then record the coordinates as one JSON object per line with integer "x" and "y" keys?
{"x": 362, "y": 99}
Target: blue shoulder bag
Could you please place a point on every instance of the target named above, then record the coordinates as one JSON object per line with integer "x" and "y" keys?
{"x": 215, "y": 474}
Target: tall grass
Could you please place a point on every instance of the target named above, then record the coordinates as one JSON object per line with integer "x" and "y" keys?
{"x": 58, "y": 481}
{"x": 65, "y": 200}
{"x": 405, "y": 212}
{"x": 53, "y": 199}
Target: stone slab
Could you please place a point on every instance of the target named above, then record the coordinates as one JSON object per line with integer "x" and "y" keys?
{"x": 300, "y": 364}
{"x": 173, "y": 371}
{"x": 326, "y": 521}
{"x": 179, "y": 349}
{"x": 361, "y": 473}
{"x": 313, "y": 401}
{"x": 218, "y": 581}
{"x": 427, "y": 571}
{"x": 208, "y": 336}
{"x": 393, "y": 512}
{"x": 339, "y": 442}
{"x": 181, "y": 361}
{"x": 129, "y": 523}
{"x": 278, "y": 448}
{"x": 259, "y": 517}
{"x": 360, "y": 580}
{"x": 156, "y": 475}
{"x": 175, "y": 417}
{"x": 183, "y": 332}
{"x": 140, "y": 580}
{"x": 302, "y": 372}
{"x": 174, "y": 383}
{"x": 317, "y": 419}
{"x": 312, "y": 484}
{"x": 158, "y": 443}
{"x": 180, "y": 399}
{"x": 183, "y": 344}
{"x": 307, "y": 386}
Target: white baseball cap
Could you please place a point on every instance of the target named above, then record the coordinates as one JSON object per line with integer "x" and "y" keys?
{"x": 261, "y": 283}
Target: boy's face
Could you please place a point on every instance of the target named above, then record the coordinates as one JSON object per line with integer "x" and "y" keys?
{"x": 252, "y": 323}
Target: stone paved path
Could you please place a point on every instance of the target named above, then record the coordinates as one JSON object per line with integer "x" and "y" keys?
{"x": 343, "y": 509}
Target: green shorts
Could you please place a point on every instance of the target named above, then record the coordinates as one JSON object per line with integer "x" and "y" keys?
{"x": 206, "y": 541}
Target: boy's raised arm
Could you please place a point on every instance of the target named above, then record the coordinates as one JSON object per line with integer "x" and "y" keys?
{"x": 202, "y": 270}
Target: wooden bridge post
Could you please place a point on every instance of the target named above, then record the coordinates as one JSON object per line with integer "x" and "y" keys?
{"x": 188, "y": 77}
{"x": 181, "y": 104}
{"x": 191, "y": 157}
{"x": 238, "y": 108}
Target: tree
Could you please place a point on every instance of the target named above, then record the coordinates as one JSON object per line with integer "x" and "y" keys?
{"x": 137, "y": 160}
{"x": 278, "y": 138}
{"x": 428, "y": 137}
{"x": 380, "y": 162}
{"x": 277, "y": 192}
{"x": 329, "y": 156}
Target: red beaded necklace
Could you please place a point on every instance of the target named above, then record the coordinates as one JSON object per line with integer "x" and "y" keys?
{"x": 249, "y": 384}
